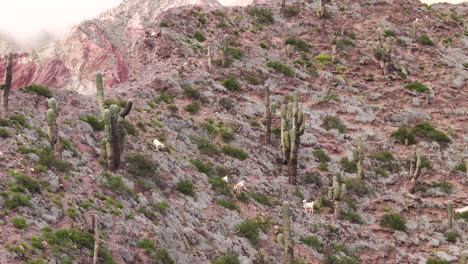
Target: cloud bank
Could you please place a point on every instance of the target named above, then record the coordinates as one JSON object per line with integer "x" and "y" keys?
{"x": 33, "y": 23}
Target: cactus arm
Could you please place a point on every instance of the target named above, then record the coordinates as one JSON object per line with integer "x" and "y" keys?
{"x": 127, "y": 109}
{"x": 100, "y": 92}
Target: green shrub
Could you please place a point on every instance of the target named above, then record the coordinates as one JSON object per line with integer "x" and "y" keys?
{"x": 192, "y": 108}
{"x": 451, "y": 236}
{"x": 386, "y": 160}
{"x": 199, "y": 36}
{"x": 226, "y": 134}
{"x": 234, "y": 53}
{"x": 229, "y": 204}
{"x": 226, "y": 103}
{"x": 463, "y": 216}
{"x": 312, "y": 177}
{"x": 72, "y": 213}
{"x": 93, "y": 121}
{"x": 425, "y": 130}
{"x": 250, "y": 229}
{"x": 26, "y": 181}
{"x": 18, "y": 119}
{"x": 204, "y": 145}
{"x": 323, "y": 59}
{"x": 17, "y": 200}
{"x": 393, "y": 220}
{"x": 231, "y": 84}
{"x": 163, "y": 24}
{"x": 443, "y": 186}
{"x": 280, "y": 67}
{"x": 164, "y": 97}
{"x": 37, "y": 89}
{"x": 4, "y": 133}
{"x": 290, "y": 11}
{"x": 235, "y": 152}
{"x": 261, "y": 198}
{"x": 333, "y": 122}
{"x": 429, "y": 131}
{"x": 219, "y": 185}
{"x": 147, "y": 245}
{"x": 357, "y": 186}
{"x": 3, "y": 122}
{"x": 161, "y": 256}
{"x": 436, "y": 261}
{"x": 19, "y": 222}
{"x": 202, "y": 167}
{"x": 226, "y": 258}
{"x": 348, "y": 165}
{"x": 299, "y": 44}
{"x": 417, "y": 86}
{"x": 425, "y": 40}
{"x": 389, "y": 33}
{"x": 243, "y": 197}
{"x": 313, "y": 242}
{"x": 342, "y": 43}
{"x": 381, "y": 172}
{"x": 461, "y": 167}
{"x": 352, "y": 217}
{"x": 263, "y": 15}
{"x": 191, "y": 92}
{"x": 116, "y": 183}
{"x": 332, "y": 259}
{"x": 402, "y": 134}
{"x": 141, "y": 166}
{"x": 172, "y": 108}
{"x": 185, "y": 187}
{"x": 321, "y": 155}
{"x": 161, "y": 207}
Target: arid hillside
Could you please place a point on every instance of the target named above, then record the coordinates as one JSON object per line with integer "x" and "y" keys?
{"x": 368, "y": 113}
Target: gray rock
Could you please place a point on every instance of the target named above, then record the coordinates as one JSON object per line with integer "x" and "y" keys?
{"x": 49, "y": 219}
{"x": 126, "y": 255}
{"x": 409, "y": 116}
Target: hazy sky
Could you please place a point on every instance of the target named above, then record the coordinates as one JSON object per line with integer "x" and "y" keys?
{"x": 29, "y": 20}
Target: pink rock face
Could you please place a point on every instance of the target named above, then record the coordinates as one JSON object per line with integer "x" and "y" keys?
{"x": 50, "y": 72}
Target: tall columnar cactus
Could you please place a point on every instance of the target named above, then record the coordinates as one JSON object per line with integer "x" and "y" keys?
{"x": 225, "y": 50}
{"x": 285, "y": 238}
{"x": 283, "y": 3}
{"x": 292, "y": 128}
{"x": 450, "y": 214}
{"x": 52, "y": 128}
{"x": 334, "y": 53}
{"x": 463, "y": 258}
{"x": 414, "y": 169}
{"x": 100, "y": 93}
{"x": 6, "y": 87}
{"x": 415, "y": 28}
{"x": 270, "y": 111}
{"x": 466, "y": 168}
{"x": 320, "y": 9}
{"x": 209, "y": 58}
{"x": 336, "y": 194}
{"x": 112, "y": 145}
{"x": 359, "y": 158}
{"x": 385, "y": 53}
{"x": 288, "y": 50}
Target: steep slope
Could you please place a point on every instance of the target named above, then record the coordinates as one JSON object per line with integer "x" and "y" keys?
{"x": 149, "y": 198}
{"x": 98, "y": 45}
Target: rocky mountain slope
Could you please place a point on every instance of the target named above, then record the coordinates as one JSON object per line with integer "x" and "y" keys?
{"x": 172, "y": 206}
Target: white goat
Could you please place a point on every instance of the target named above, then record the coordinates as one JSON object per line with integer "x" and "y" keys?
{"x": 226, "y": 179}
{"x": 461, "y": 210}
{"x": 158, "y": 145}
{"x": 308, "y": 206}
{"x": 239, "y": 187}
